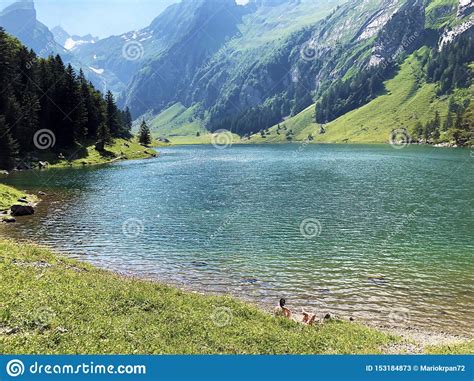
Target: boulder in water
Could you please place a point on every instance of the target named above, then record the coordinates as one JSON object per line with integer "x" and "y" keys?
{"x": 22, "y": 210}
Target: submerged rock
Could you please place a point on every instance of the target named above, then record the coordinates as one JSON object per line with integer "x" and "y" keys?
{"x": 199, "y": 264}
{"x": 9, "y": 220}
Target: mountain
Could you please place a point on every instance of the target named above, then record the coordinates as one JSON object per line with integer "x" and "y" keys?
{"x": 60, "y": 35}
{"x": 190, "y": 30}
{"x": 271, "y": 68}
{"x": 19, "y": 19}
{"x": 71, "y": 42}
{"x": 157, "y": 63}
{"x": 411, "y": 59}
{"x": 418, "y": 83}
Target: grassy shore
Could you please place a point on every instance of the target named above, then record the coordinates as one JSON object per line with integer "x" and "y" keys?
{"x": 9, "y": 196}
{"x": 51, "y": 304}
{"x": 86, "y": 154}
{"x": 452, "y": 349}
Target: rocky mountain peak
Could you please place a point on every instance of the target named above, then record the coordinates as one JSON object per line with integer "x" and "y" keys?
{"x": 23, "y": 10}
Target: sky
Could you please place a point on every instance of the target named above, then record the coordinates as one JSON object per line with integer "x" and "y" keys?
{"x": 101, "y": 18}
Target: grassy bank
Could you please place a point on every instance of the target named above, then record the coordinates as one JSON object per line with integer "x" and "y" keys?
{"x": 9, "y": 196}
{"x": 452, "y": 349}
{"x": 50, "y": 304}
{"x": 86, "y": 154}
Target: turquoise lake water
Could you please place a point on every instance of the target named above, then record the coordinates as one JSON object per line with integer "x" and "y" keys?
{"x": 370, "y": 232}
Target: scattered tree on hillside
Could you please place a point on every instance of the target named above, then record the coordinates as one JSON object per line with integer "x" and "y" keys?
{"x": 450, "y": 66}
{"x": 144, "y": 135}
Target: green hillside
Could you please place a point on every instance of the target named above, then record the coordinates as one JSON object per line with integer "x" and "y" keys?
{"x": 275, "y": 20}
{"x": 408, "y": 100}
{"x": 176, "y": 120}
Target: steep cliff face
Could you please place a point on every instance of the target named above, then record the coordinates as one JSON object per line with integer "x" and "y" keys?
{"x": 430, "y": 78}
{"x": 166, "y": 78}
{"x": 19, "y": 19}
{"x": 403, "y": 33}
{"x": 465, "y": 8}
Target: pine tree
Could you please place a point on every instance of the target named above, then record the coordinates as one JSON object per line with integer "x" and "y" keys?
{"x": 448, "y": 123}
{"x": 103, "y": 136}
{"x": 144, "y": 135}
{"x": 92, "y": 109}
{"x": 436, "y": 126}
{"x": 419, "y": 130}
{"x": 29, "y": 122}
{"x": 436, "y": 121}
{"x": 127, "y": 124}
{"x": 428, "y": 130}
{"x": 458, "y": 124}
{"x": 8, "y": 146}
{"x": 112, "y": 114}
{"x": 37, "y": 93}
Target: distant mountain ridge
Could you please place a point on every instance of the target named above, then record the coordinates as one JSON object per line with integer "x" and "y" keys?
{"x": 19, "y": 19}
{"x": 70, "y": 42}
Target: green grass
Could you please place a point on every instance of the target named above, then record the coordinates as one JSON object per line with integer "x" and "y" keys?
{"x": 302, "y": 125}
{"x": 52, "y": 305}
{"x": 204, "y": 138}
{"x": 408, "y": 99}
{"x": 176, "y": 120}
{"x": 441, "y": 13}
{"x": 9, "y": 196}
{"x": 181, "y": 126}
{"x": 458, "y": 349}
{"x": 270, "y": 23}
{"x": 81, "y": 155}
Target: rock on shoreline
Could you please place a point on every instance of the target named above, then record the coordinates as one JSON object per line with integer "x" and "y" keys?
{"x": 22, "y": 210}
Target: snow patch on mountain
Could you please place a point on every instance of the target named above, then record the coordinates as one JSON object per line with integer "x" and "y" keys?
{"x": 97, "y": 71}
{"x": 71, "y": 43}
